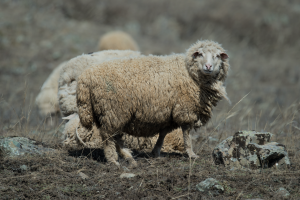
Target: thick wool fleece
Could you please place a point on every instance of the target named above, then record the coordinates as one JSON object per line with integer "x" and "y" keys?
{"x": 68, "y": 78}
{"x": 117, "y": 40}
{"x": 146, "y": 95}
{"x": 47, "y": 98}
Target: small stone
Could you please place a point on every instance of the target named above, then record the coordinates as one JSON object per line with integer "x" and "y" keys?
{"x": 281, "y": 192}
{"x": 23, "y": 167}
{"x": 127, "y": 175}
{"x": 3, "y": 189}
{"x": 130, "y": 188}
{"x": 125, "y": 169}
{"x": 210, "y": 185}
{"x": 83, "y": 176}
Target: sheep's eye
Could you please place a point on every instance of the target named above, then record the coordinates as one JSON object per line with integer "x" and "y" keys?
{"x": 197, "y": 54}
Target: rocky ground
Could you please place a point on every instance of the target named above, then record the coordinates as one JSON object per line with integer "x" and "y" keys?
{"x": 262, "y": 39}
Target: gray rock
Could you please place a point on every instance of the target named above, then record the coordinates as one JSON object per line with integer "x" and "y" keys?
{"x": 83, "y": 175}
{"x": 127, "y": 175}
{"x": 18, "y": 146}
{"x": 281, "y": 192}
{"x": 23, "y": 167}
{"x": 125, "y": 169}
{"x": 251, "y": 149}
{"x": 210, "y": 185}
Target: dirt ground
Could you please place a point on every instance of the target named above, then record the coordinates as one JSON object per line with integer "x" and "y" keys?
{"x": 261, "y": 39}
{"x": 171, "y": 176}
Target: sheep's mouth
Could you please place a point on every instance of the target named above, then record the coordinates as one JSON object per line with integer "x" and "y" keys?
{"x": 207, "y": 71}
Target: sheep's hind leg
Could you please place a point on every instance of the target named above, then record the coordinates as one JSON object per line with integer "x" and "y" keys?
{"x": 160, "y": 142}
{"x": 125, "y": 153}
{"x": 109, "y": 147}
{"x": 188, "y": 142}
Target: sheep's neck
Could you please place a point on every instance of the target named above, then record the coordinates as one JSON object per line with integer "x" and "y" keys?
{"x": 208, "y": 97}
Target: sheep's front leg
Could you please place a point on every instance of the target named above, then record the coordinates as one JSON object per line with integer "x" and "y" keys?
{"x": 159, "y": 142}
{"x": 187, "y": 141}
{"x": 125, "y": 153}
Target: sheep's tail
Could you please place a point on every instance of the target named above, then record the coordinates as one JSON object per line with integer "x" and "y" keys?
{"x": 84, "y": 102}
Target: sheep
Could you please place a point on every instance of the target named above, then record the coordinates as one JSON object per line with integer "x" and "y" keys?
{"x": 117, "y": 40}
{"x": 47, "y": 101}
{"x": 73, "y": 68}
{"x": 146, "y": 95}
{"x": 67, "y": 91}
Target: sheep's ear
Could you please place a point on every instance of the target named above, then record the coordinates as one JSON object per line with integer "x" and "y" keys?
{"x": 196, "y": 54}
{"x": 224, "y": 56}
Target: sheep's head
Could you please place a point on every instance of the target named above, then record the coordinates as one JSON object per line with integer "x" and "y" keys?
{"x": 207, "y": 60}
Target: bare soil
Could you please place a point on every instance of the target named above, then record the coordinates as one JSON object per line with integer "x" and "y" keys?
{"x": 172, "y": 176}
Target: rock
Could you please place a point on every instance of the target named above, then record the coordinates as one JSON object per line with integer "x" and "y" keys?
{"x": 127, "y": 175}
{"x": 251, "y": 149}
{"x": 83, "y": 175}
{"x": 23, "y": 167}
{"x": 210, "y": 185}
{"x": 18, "y": 146}
{"x": 281, "y": 192}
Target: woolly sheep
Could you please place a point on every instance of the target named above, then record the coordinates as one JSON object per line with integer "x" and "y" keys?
{"x": 90, "y": 138}
{"x": 67, "y": 92}
{"x": 117, "y": 40}
{"x": 73, "y": 68}
{"x": 47, "y": 101}
{"x": 76, "y": 136}
{"x": 146, "y": 95}
{"x": 47, "y": 98}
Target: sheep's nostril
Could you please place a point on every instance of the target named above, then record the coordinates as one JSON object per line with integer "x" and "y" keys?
{"x": 208, "y": 66}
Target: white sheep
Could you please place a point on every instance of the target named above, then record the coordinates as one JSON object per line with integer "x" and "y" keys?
{"x": 47, "y": 98}
{"x": 70, "y": 72}
{"x": 47, "y": 101}
{"x": 146, "y": 95}
{"x": 117, "y": 40}
{"x": 67, "y": 85}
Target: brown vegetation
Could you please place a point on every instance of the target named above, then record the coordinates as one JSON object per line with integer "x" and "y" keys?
{"x": 262, "y": 39}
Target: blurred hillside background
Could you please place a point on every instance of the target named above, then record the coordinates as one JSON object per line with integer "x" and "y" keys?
{"x": 262, "y": 39}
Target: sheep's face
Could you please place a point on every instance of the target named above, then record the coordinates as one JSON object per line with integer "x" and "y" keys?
{"x": 209, "y": 62}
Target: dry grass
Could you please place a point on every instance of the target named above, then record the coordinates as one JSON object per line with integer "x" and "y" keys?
{"x": 263, "y": 86}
